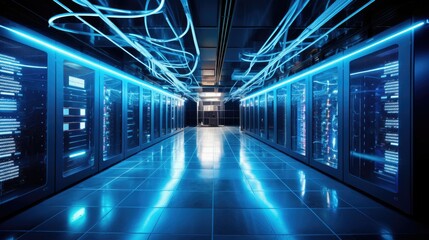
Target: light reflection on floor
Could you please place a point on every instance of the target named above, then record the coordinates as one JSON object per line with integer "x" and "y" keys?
{"x": 210, "y": 183}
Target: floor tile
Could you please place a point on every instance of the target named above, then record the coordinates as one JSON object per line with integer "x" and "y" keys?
{"x": 323, "y": 199}
{"x": 267, "y": 185}
{"x": 74, "y": 219}
{"x": 163, "y": 184}
{"x": 191, "y": 200}
{"x": 395, "y": 223}
{"x": 247, "y": 237}
{"x": 146, "y": 199}
{"x": 241, "y": 222}
{"x": 205, "y": 184}
{"x": 67, "y": 197}
{"x": 348, "y": 221}
{"x": 128, "y": 220}
{"x": 278, "y": 199}
{"x": 184, "y": 221}
{"x": 235, "y": 200}
{"x": 11, "y": 235}
{"x": 104, "y": 198}
{"x": 179, "y": 237}
{"x": 296, "y": 221}
{"x": 51, "y": 235}
{"x": 31, "y": 218}
{"x": 232, "y": 185}
{"x": 114, "y": 236}
{"x": 123, "y": 183}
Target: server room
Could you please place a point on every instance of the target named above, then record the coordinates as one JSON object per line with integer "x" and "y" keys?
{"x": 214, "y": 119}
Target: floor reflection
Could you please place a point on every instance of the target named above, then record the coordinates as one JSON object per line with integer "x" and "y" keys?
{"x": 210, "y": 183}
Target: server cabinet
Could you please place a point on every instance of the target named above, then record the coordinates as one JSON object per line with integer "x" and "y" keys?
{"x": 26, "y": 124}
{"x": 77, "y": 116}
{"x": 146, "y": 119}
{"x": 112, "y": 121}
{"x": 168, "y": 115}
{"x": 281, "y": 116}
{"x": 378, "y": 88}
{"x": 271, "y": 115}
{"x": 173, "y": 114}
{"x": 298, "y": 116}
{"x": 132, "y": 136}
{"x": 163, "y": 111}
{"x": 156, "y": 115}
{"x": 326, "y": 121}
{"x": 182, "y": 114}
{"x": 246, "y": 115}
{"x": 251, "y": 115}
{"x": 262, "y": 118}
{"x": 180, "y": 117}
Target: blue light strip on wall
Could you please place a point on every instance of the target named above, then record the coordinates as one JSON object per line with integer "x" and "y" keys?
{"x": 328, "y": 64}
{"x": 106, "y": 68}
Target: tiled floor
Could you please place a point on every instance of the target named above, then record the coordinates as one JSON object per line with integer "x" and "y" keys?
{"x": 210, "y": 183}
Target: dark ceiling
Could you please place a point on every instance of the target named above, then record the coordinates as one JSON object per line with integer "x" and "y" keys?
{"x": 224, "y": 29}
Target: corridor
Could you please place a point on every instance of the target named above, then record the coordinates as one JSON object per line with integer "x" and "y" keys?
{"x": 210, "y": 183}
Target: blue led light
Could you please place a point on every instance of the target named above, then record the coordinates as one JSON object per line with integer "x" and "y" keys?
{"x": 77, "y": 154}
{"x": 101, "y": 66}
{"x": 328, "y": 64}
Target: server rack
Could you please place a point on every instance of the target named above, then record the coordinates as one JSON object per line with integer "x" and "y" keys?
{"x": 163, "y": 111}
{"x": 51, "y": 124}
{"x": 173, "y": 115}
{"x": 112, "y": 121}
{"x": 271, "y": 115}
{"x": 168, "y": 115}
{"x": 147, "y": 132}
{"x": 156, "y": 115}
{"x": 134, "y": 110}
{"x": 262, "y": 117}
{"x": 281, "y": 116}
{"x": 297, "y": 124}
{"x": 351, "y": 116}
{"x": 378, "y": 156}
{"x": 326, "y": 121}
{"x": 77, "y": 116}
{"x": 26, "y": 122}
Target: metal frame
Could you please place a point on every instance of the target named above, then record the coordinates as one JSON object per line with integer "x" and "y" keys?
{"x": 131, "y": 151}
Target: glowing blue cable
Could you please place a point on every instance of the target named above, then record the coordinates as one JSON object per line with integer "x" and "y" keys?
{"x": 106, "y": 69}
{"x": 337, "y": 60}
{"x": 164, "y": 62}
{"x": 278, "y": 61}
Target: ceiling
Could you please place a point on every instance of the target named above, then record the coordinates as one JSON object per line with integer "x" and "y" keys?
{"x": 224, "y": 31}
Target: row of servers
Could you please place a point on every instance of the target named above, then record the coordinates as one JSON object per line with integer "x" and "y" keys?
{"x": 348, "y": 116}
{"x": 65, "y": 116}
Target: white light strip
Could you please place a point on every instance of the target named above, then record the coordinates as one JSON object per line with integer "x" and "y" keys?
{"x": 210, "y": 94}
{"x": 375, "y": 69}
